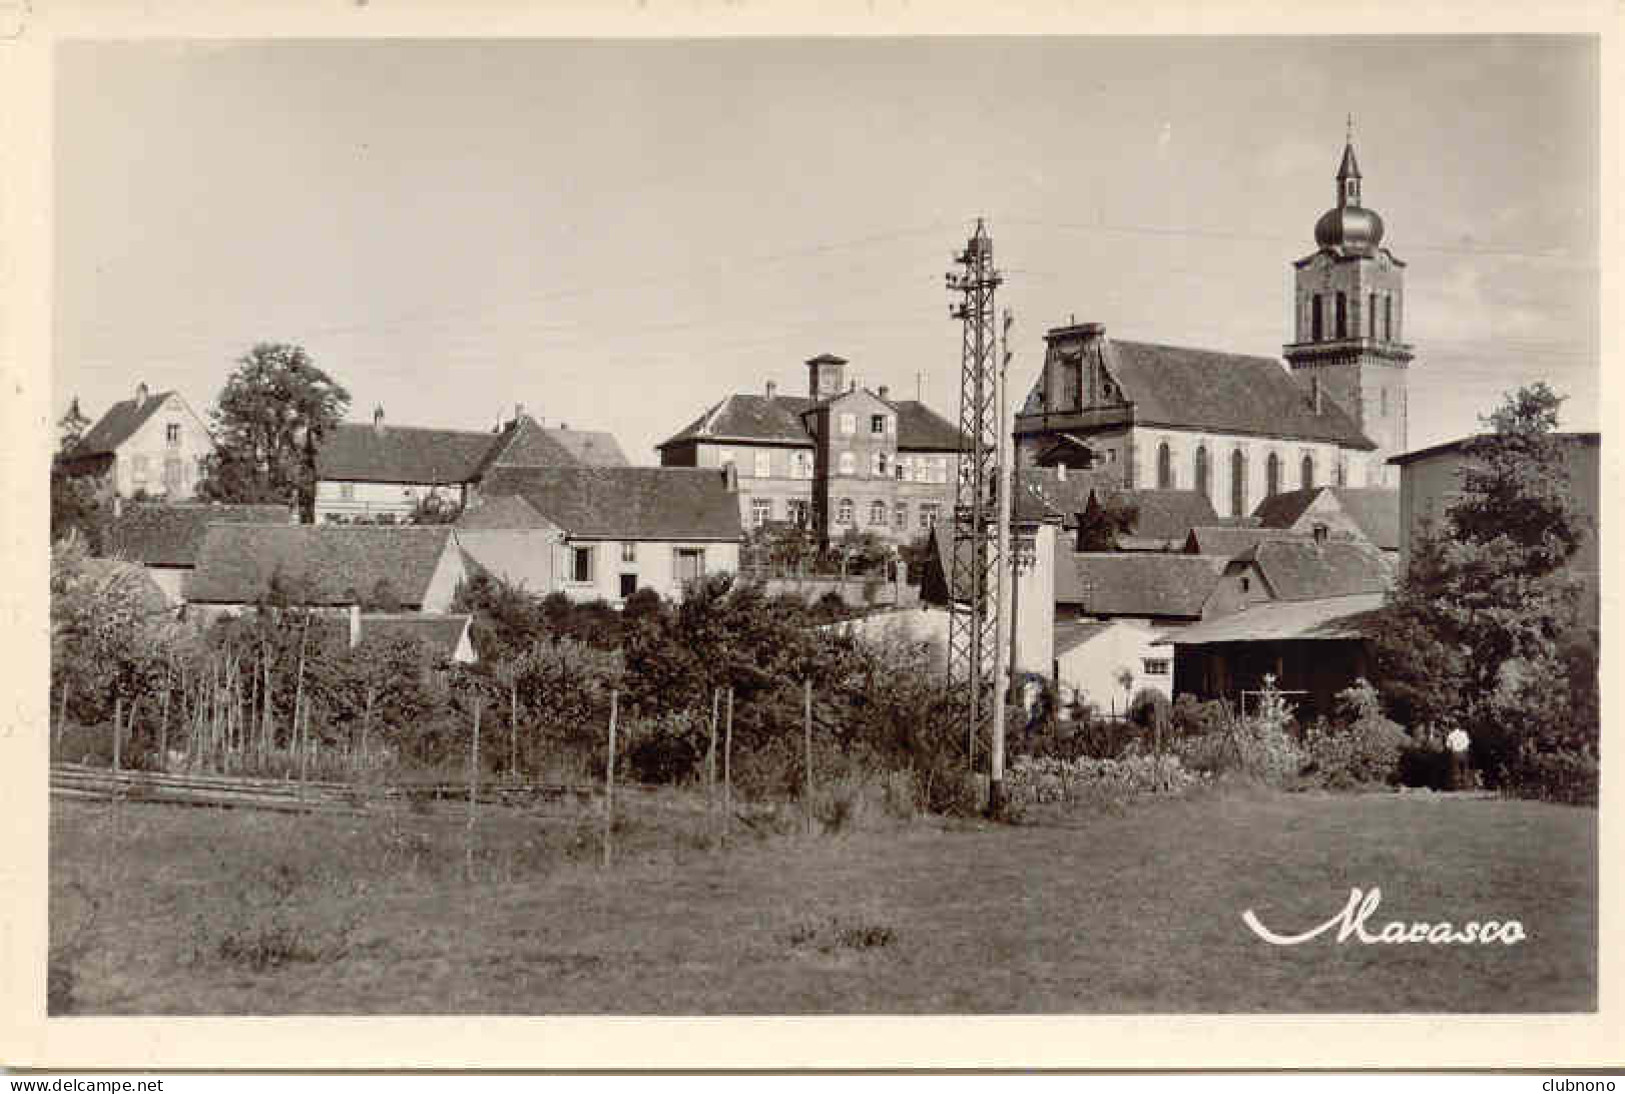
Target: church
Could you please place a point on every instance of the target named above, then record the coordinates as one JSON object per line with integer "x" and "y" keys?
{"x": 1239, "y": 428}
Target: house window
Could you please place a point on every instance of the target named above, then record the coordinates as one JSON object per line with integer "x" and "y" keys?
{"x": 1238, "y": 484}
{"x": 1246, "y": 585}
{"x": 796, "y": 510}
{"x": 928, "y": 515}
{"x": 688, "y": 564}
{"x": 848, "y": 464}
{"x": 900, "y": 516}
{"x": 581, "y": 564}
{"x": 1272, "y": 475}
{"x": 761, "y": 511}
{"x": 172, "y": 434}
{"x": 1201, "y": 469}
{"x": 629, "y": 585}
{"x": 1306, "y": 472}
{"x": 1165, "y": 467}
{"x": 346, "y": 491}
{"x": 843, "y": 512}
{"x": 877, "y": 513}
{"x": 877, "y": 424}
{"x": 764, "y": 465}
{"x": 1157, "y": 666}
{"x": 629, "y": 552}
{"x": 801, "y": 465}
{"x": 849, "y": 424}
{"x": 1342, "y": 315}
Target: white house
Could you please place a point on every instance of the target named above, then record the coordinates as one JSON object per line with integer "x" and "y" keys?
{"x": 1092, "y": 658}
{"x": 151, "y": 444}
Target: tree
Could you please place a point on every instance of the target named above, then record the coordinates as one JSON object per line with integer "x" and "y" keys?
{"x": 72, "y": 426}
{"x": 269, "y": 420}
{"x": 1111, "y": 514}
{"x": 1483, "y": 630}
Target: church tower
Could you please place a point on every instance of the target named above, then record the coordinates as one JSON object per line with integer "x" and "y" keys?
{"x": 1350, "y": 314}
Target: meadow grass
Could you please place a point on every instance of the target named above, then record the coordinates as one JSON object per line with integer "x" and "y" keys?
{"x": 1130, "y": 912}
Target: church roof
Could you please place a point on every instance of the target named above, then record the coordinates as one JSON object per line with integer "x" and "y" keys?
{"x": 1185, "y": 388}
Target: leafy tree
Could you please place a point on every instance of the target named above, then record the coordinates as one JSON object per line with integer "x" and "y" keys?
{"x": 1483, "y": 631}
{"x": 1112, "y": 515}
{"x": 269, "y": 420}
{"x": 77, "y": 507}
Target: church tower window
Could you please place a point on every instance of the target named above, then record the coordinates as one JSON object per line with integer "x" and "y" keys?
{"x": 1314, "y": 320}
{"x": 1388, "y": 318}
{"x": 1371, "y": 316}
{"x": 1165, "y": 467}
{"x": 1201, "y": 469}
{"x": 1272, "y": 475}
{"x": 1342, "y": 315}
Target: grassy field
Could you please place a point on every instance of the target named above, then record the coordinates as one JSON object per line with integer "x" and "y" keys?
{"x": 1134, "y": 912}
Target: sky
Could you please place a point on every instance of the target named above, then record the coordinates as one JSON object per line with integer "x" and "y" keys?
{"x": 617, "y": 234}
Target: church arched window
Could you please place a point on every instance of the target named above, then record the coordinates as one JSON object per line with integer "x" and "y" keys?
{"x": 1165, "y": 467}
{"x": 1201, "y": 469}
{"x": 1272, "y": 475}
{"x": 1342, "y": 315}
{"x": 1306, "y": 472}
{"x": 1238, "y": 484}
{"x": 1314, "y": 319}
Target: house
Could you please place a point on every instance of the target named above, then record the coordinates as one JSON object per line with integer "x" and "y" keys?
{"x": 447, "y": 638}
{"x": 1430, "y": 481}
{"x": 1162, "y": 518}
{"x": 1241, "y": 428}
{"x": 413, "y": 568}
{"x": 604, "y": 532}
{"x": 1166, "y": 590}
{"x": 837, "y": 459}
{"x": 383, "y": 472}
{"x": 1313, "y": 649}
{"x": 1369, "y": 513}
{"x": 165, "y": 538}
{"x": 150, "y": 445}
{"x": 1093, "y": 657}
{"x": 1293, "y": 569}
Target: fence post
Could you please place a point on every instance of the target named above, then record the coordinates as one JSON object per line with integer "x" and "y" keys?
{"x": 473, "y": 786}
{"x": 118, "y": 718}
{"x": 609, "y": 778}
{"x": 806, "y": 703}
{"x": 711, "y": 768}
{"x": 727, "y": 768}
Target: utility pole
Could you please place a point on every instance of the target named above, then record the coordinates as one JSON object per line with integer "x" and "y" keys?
{"x": 1004, "y": 652}
{"x": 975, "y": 579}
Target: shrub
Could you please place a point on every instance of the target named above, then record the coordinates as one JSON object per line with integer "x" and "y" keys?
{"x": 1424, "y": 764}
{"x": 1360, "y": 747}
{"x": 281, "y": 913}
{"x": 1558, "y": 776}
{"x": 1262, "y": 747}
{"x": 1089, "y": 782}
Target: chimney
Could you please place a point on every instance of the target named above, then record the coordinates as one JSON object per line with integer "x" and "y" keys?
{"x": 355, "y": 625}
{"x": 378, "y": 419}
{"x": 772, "y": 391}
{"x": 730, "y": 477}
{"x": 883, "y": 392}
{"x": 140, "y": 395}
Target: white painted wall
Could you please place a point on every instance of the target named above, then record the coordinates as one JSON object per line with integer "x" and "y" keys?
{"x": 1091, "y": 669}
{"x": 1182, "y": 445}
{"x": 653, "y": 564}
{"x": 151, "y": 444}
{"x": 369, "y": 499}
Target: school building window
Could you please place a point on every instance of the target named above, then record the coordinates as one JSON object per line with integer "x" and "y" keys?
{"x": 877, "y": 513}
{"x": 843, "y": 511}
{"x": 761, "y": 511}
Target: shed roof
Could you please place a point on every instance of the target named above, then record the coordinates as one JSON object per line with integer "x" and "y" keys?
{"x": 1337, "y": 618}
{"x": 327, "y": 564}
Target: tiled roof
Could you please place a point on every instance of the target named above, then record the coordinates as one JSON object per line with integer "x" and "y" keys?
{"x": 440, "y": 634}
{"x": 1185, "y": 388}
{"x": 1373, "y": 509}
{"x": 1297, "y": 570}
{"x": 1462, "y": 443}
{"x": 748, "y": 417}
{"x": 334, "y": 564}
{"x": 509, "y": 512}
{"x": 524, "y": 443}
{"x": 356, "y": 452}
{"x": 1230, "y": 540}
{"x": 590, "y": 447}
{"x": 117, "y": 425}
{"x": 170, "y": 535}
{"x": 1325, "y": 619}
{"x": 1167, "y": 514}
{"x": 1150, "y": 585}
{"x": 1070, "y": 634}
{"x": 1044, "y": 495}
{"x": 655, "y": 503}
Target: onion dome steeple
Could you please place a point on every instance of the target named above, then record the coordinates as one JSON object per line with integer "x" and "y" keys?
{"x": 1349, "y": 228}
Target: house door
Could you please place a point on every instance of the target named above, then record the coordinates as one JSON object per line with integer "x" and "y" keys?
{"x": 690, "y": 564}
